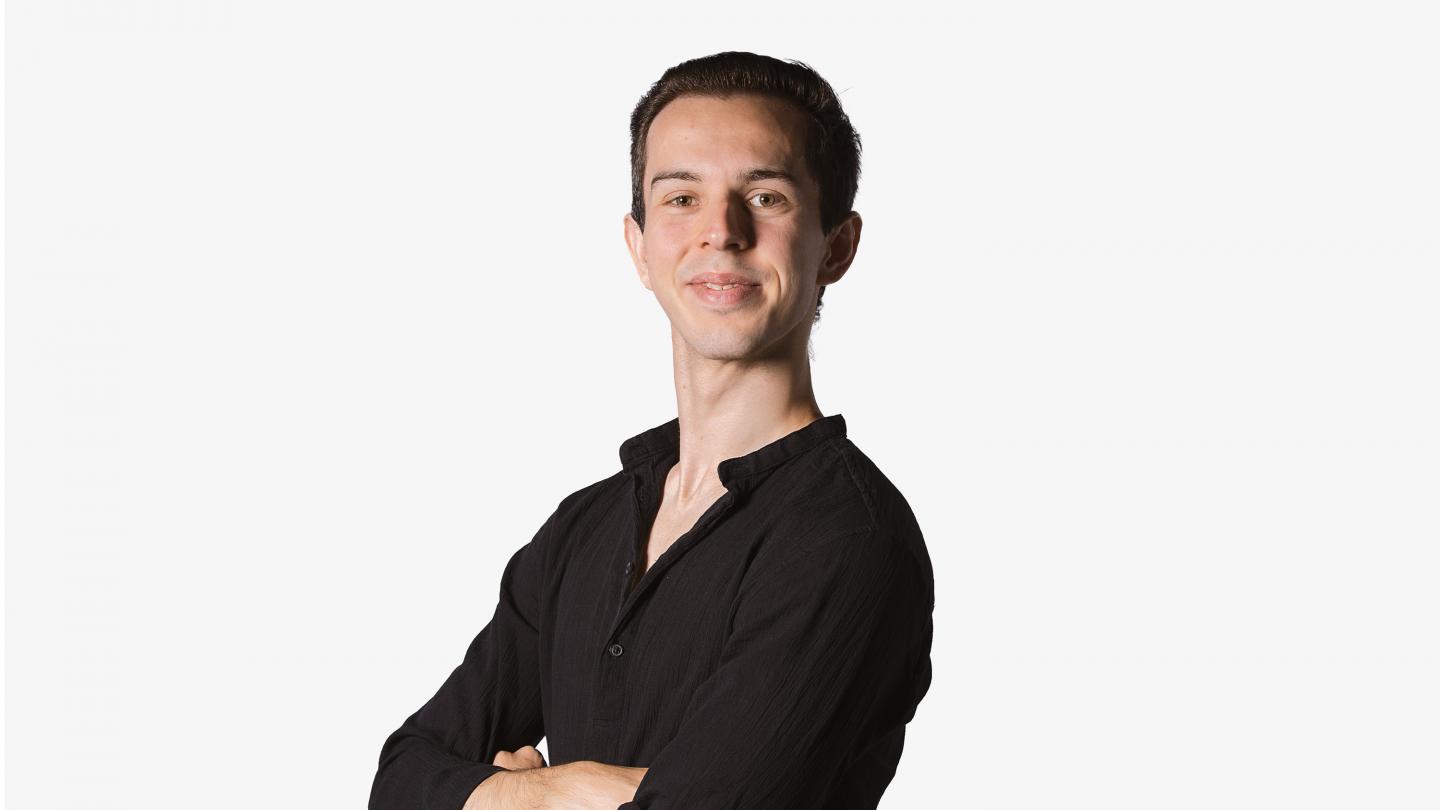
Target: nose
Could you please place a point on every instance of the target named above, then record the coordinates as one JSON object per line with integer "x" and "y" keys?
{"x": 727, "y": 225}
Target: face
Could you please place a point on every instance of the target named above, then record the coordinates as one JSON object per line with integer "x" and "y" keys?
{"x": 729, "y": 200}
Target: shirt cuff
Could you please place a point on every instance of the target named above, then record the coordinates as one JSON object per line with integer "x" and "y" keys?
{"x": 453, "y": 785}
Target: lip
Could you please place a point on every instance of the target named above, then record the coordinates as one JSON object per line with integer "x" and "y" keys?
{"x": 721, "y": 278}
{"x": 740, "y": 293}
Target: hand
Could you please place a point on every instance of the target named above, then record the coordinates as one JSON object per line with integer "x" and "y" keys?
{"x": 583, "y": 785}
{"x": 522, "y": 760}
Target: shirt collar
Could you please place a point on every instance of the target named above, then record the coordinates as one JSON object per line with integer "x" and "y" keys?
{"x": 642, "y": 453}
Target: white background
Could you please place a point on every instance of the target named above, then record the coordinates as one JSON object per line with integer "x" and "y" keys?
{"x": 315, "y": 310}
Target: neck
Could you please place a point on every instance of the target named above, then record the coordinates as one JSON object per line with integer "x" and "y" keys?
{"x": 729, "y": 408}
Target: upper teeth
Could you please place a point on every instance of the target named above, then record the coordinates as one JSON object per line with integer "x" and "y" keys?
{"x": 720, "y": 286}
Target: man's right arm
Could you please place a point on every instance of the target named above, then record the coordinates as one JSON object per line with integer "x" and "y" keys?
{"x": 489, "y": 703}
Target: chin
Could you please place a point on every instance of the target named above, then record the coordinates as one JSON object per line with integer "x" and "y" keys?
{"x": 723, "y": 346}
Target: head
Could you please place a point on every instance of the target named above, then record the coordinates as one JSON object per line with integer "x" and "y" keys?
{"x": 746, "y": 165}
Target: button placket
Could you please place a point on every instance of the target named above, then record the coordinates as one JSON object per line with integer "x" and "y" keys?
{"x": 609, "y": 695}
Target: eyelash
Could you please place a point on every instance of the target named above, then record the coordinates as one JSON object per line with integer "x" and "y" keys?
{"x": 770, "y": 194}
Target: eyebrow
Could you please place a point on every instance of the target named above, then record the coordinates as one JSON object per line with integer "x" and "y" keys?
{"x": 750, "y": 176}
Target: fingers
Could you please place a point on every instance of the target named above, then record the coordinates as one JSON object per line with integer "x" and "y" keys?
{"x": 524, "y": 759}
{"x": 530, "y": 755}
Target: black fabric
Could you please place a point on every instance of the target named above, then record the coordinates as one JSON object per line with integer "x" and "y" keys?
{"x": 770, "y": 658}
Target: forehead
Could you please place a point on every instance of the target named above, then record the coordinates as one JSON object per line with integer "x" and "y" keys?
{"x": 726, "y": 133}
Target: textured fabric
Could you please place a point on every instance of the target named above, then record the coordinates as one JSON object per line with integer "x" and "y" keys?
{"x": 769, "y": 659}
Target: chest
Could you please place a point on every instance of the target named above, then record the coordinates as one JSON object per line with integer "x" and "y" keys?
{"x": 670, "y": 524}
{"x": 621, "y": 664}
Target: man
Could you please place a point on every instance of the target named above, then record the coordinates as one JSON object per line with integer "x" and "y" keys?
{"x": 740, "y": 617}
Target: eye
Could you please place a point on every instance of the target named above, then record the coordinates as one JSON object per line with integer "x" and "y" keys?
{"x": 672, "y": 200}
{"x": 768, "y": 195}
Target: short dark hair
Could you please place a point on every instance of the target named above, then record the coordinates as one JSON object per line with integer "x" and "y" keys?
{"x": 832, "y": 146}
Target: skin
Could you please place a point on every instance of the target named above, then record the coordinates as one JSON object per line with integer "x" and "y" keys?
{"x": 532, "y": 785}
{"x": 742, "y": 374}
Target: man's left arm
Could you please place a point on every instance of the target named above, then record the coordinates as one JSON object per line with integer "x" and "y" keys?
{"x": 824, "y": 652}
{"x": 530, "y": 784}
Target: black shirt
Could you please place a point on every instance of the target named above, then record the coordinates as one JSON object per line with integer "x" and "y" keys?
{"x": 769, "y": 659}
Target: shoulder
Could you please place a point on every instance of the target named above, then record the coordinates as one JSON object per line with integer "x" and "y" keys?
{"x": 584, "y": 506}
{"x": 893, "y": 520}
{"x": 885, "y": 505}
{"x": 838, "y": 498}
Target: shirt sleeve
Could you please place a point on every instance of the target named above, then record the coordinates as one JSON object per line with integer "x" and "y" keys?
{"x": 821, "y": 661}
{"x": 489, "y": 703}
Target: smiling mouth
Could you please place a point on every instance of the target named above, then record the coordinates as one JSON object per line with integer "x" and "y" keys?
{"x": 726, "y": 296}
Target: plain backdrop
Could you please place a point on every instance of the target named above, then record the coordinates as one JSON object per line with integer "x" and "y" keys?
{"x": 315, "y": 310}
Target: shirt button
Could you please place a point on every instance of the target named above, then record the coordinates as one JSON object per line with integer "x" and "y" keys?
{"x": 627, "y": 567}
{"x": 616, "y": 650}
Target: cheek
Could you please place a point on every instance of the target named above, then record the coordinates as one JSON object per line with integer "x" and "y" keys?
{"x": 663, "y": 243}
{"x": 787, "y": 235}
{"x": 798, "y": 253}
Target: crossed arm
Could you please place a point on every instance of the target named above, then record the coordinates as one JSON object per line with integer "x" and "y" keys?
{"x": 437, "y": 759}
{"x": 529, "y": 784}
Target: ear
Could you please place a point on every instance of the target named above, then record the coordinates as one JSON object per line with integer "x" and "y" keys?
{"x": 635, "y": 241}
{"x": 841, "y": 244}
